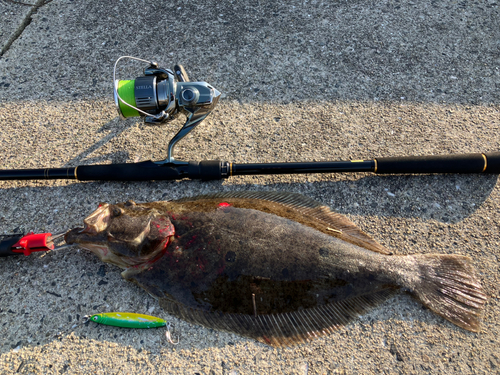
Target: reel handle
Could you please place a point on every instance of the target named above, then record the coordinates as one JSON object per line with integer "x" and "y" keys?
{"x": 180, "y": 73}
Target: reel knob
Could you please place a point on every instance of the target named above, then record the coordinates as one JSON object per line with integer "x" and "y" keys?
{"x": 190, "y": 96}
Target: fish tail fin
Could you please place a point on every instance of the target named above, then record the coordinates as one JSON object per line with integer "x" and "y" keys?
{"x": 449, "y": 286}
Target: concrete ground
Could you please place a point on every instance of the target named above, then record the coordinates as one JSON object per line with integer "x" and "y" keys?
{"x": 301, "y": 81}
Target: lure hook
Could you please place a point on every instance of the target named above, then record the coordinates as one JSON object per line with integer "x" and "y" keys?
{"x": 169, "y": 337}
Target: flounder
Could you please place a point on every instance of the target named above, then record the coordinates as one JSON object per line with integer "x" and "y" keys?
{"x": 276, "y": 267}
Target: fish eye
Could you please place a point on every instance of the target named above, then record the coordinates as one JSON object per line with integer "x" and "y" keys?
{"x": 95, "y": 318}
{"x": 117, "y": 211}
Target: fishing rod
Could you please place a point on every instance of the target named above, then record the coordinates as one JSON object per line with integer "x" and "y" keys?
{"x": 160, "y": 95}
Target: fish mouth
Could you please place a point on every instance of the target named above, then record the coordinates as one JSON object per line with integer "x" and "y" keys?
{"x": 106, "y": 247}
{"x": 79, "y": 235}
{"x": 100, "y": 246}
{"x": 86, "y": 237}
{"x": 85, "y": 229}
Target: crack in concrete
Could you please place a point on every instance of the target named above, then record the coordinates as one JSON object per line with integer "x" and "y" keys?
{"x": 26, "y": 21}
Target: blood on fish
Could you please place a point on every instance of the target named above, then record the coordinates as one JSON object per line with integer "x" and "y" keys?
{"x": 221, "y": 268}
{"x": 224, "y": 204}
{"x": 190, "y": 242}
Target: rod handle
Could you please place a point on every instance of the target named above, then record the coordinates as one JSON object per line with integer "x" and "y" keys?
{"x": 466, "y": 163}
{"x": 148, "y": 170}
{"x": 143, "y": 171}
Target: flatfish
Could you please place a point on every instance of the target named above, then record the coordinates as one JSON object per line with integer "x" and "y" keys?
{"x": 277, "y": 267}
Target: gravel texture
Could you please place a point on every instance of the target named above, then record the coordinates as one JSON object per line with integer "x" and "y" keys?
{"x": 301, "y": 81}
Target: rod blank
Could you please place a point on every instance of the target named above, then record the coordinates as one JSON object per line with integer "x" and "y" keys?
{"x": 307, "y": 167}
{"x": 38, "y": 174}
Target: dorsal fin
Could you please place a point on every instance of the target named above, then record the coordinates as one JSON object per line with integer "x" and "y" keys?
{"x": 299, "y": 208}
{"x": 284, "y": 329}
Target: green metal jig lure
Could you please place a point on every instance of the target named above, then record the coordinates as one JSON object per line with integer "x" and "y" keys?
{"x": 131, "y": 320}
{"x": 128, "y": 320}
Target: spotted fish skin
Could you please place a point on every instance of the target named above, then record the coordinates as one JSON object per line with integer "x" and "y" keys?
{"x": 277, "y": 267}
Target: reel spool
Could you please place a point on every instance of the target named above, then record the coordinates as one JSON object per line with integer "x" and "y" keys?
{"x": 160, "y": 95}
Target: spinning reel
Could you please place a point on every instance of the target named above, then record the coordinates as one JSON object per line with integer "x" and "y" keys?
{"x": 160, "y": 95}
